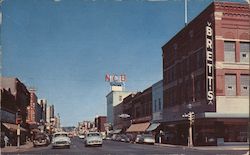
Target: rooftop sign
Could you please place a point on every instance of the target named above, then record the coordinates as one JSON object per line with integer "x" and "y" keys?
{"x": 115, "y": 80}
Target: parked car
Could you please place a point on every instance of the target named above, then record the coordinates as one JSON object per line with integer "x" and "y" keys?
{"x": 93, "y": 138}
{"x": 138, "y": 139}
{"x": 125, "y": 138}
{"x": 61, "y": 139}
{"x": 41, "y": 139}
{"x": 148, "y": 139}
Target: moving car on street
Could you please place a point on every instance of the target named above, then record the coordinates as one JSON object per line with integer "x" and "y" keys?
{"x": 61, "y": 139}
{"x": 41, "y": 139}
{"x": 93, "y": 138}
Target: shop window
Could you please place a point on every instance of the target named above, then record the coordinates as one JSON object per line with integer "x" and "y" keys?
{"x": 244, "y": 85}
{"x": 229, "y": 51}
{"x": 159, "y": 104}
{"x": 230, "y": 85}
{"x": 244, "y": 52}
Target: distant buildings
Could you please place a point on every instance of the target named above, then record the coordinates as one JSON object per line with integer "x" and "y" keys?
{"x": 21, "y": 105}
{"x": 99, "y": 123}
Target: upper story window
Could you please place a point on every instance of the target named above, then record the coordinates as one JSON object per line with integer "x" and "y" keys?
{"x": 244, "y": 85}
{"x": 120, "y": 98}
{"x": 244, "y": 52}
{"x": 159, "y": 104}
{"x": 155, "y": 106}
{"x": 229, "y": 51}
{"x": 230, "y": 85}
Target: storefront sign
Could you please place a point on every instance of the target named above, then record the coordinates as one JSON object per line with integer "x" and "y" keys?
{"x": 209, "y": 64}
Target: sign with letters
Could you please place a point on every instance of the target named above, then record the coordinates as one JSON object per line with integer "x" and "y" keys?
{"x": 209, "y": 64}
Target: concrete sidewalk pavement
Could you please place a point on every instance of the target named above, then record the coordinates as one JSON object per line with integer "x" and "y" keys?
{"x": 229, "y": 147}
{"x": 26, "y": 146}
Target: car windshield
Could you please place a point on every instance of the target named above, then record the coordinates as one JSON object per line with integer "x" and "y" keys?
{"x": 150, "y": 136}
{"x": 37, "y": 136}
{"x": 93, "y": 134}
{"x": 63, "y": 135}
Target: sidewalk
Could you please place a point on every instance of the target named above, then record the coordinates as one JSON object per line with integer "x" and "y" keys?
{"x": 229, "y": 147}
{"x": 15, "y": 149}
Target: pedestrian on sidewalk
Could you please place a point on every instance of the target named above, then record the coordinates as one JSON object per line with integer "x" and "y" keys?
{"x": 6, "y": 140}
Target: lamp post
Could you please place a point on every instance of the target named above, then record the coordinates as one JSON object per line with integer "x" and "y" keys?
{"x": 18, "y": 122}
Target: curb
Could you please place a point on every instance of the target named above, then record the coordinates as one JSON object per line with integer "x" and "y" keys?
{"x": 235, "y": 148}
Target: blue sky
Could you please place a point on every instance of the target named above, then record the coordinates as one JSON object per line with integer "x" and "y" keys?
{"x": 64, "y": 49}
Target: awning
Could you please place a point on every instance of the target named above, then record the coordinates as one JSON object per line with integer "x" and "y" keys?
{"x": 13, "y": 127}
{"x": 153, "y": 126}
{"x": 117, "y": 131}
{"x": 140, "y": 127}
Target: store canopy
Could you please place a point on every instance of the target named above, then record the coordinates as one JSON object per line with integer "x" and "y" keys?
{"x": 13, "y": 127}
{"x": 153, "y": 126}
{"x": 140, "y": 127}
{"x": 117, "y": 131}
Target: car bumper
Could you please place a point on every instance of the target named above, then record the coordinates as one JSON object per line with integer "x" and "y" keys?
{"x": 39, "y": 143}
{"x": 94, "y": 143}
{"x": 61, "y": 144}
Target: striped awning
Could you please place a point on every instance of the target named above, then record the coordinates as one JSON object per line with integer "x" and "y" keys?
{"x": 153, "y": 126}
{"x": 140, "y": 127}
{"x": 13, "y": 127}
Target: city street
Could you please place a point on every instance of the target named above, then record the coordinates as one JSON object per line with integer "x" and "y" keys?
{"x": 113, "y": 148}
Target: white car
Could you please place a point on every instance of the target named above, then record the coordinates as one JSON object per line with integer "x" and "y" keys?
{"x": 61, "y": 139}
{"x": 81, "y": 136}
{"x": 93, "y": 138}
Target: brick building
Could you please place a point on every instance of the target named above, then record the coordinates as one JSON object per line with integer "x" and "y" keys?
{"x": 99, "y": 123}
{"x": 141, "y": 114}
{"x": 34, "y": 109}
{"x": 206, "y": 70}
{"x": 14, "y": 100}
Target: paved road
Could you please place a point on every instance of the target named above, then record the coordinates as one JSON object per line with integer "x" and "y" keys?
{"x": 120, "y": 148}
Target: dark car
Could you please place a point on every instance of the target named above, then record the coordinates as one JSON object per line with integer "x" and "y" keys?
{"x": 41, "y": 139}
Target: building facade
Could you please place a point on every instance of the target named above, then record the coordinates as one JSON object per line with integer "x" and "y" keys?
{"x": 157, "y": 101}
{"x": 114, "y": 98}
{"x": 206, "y": 70}
{"x": 99, "y": 123}
{"x": 34, "y": 109}
{"x": 43, "y": 104}
{"x": 14, "y": 101}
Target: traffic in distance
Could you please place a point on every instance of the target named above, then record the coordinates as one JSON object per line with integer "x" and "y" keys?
{"x": 63, "y": 139}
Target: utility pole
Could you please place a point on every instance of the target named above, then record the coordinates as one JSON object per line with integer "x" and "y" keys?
{"x": 186, "y": 12}
{"x": 191, "y": 116}
{"x": 18, "y": 122}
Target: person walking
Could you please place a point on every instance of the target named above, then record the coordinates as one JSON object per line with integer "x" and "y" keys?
{"x": 6, "y": 140}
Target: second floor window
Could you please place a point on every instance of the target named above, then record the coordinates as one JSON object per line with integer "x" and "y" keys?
{"x": 244, "y": 85}
{"x": 229, "y": 51}
{"x": 244, "y": 52}
{"x": 230, "y": 85}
